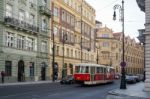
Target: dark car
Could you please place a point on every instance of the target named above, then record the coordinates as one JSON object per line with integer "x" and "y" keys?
{"x": 130, "y": 79}
{"x": 69, "y": 79}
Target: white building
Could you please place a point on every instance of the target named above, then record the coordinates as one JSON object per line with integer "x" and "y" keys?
{"x": 145, "y": 6}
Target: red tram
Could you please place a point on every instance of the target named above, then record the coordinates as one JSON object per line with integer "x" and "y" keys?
{"x": 89, "y": 74}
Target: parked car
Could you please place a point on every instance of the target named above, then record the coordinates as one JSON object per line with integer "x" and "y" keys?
{"x": 140, "y": 77}
{"x": 130, "y": 79}
{"x": 69, "y": 79}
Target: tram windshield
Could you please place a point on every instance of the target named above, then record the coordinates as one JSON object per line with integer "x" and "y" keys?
{"x": 82, "y": 69}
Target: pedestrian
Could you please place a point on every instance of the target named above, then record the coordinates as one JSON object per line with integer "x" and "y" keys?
{"x": 2, "y": 75}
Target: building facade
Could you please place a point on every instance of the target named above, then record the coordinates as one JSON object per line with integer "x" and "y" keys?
{"x": 73, "y": 25}
{"x": 134, "y": 54}
{"x": 144, "y": 6}
{"x": 109, "y": 48}
{"x": 24, "y": 41}
{"x": 110, "y": 51}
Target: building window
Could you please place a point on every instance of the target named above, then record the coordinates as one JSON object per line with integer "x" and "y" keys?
{"x": 8, "y": 10}
{"x": 44, "y": 25}
{"x": 31, "y": 65}
{"x": 56, "y": 11}
{"x": 57, "y": 50}
{"x": 44, "y": 2}
{"x": 105, "y": 44}
{"x": 9, "y": 39}
{"x": 30, "y": 44}
{"x": 68, "y": 52}
{"x": 20, "y": 41}
{"x": 68, "y": 19}
{"x": 56, "y": 31}
{"x": 32, "y": 19}
{"x": 71, "y": 53}
{"x": 8, "y": 67}
{"x": 63, "y": 16}
{"x": 43, "y": 46}
{"x": 105, "y": 35}
{"x": 21, "y": 15}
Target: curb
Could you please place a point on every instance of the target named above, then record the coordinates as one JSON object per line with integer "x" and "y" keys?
{"x": 26, "y": 83}
{"x": 114, "y": 95}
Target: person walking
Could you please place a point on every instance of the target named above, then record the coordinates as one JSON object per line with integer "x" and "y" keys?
{"x": 2, "y": 76}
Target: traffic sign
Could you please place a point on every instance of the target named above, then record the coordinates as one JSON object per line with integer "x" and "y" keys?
{"x": 123, "y": 64}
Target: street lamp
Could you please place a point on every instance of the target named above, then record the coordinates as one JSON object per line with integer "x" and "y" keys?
{"x": 123, "y": 64}
{"x": 63, "y": 40}
{"x": 98, "y": 47}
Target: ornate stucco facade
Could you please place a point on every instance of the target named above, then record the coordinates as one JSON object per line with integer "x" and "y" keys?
{"x": 24, "y": 40}
{"x": 79, "y": 45}
{"x": 110, "y": 51}
{"x": 109, "y": 48}
{"x": 134, "y": 54}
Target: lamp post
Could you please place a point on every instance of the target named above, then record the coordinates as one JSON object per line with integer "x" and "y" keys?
{"x": 81, "y": 29}
{"x": 98, "y": 47}
{"x": 97, "y": 57}
{"x": 123, "y": 64}
{"x": 63, "y": 40}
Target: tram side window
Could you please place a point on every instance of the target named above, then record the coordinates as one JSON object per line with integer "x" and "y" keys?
{"x": 77, "y": 69}
{"x": 104, "y": 70}
{"x": 98, "y": 70}
{"x": 87, "y": 69}
{"x": 108, "y": 70}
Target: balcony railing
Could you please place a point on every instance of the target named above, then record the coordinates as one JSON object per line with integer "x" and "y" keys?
{"x": 45, "y": 10}
{"x": 9, "y": 21}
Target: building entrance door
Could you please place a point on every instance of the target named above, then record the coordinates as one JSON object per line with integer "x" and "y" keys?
{"x": 43, "y": 73}
{"x": 21, "y": 75}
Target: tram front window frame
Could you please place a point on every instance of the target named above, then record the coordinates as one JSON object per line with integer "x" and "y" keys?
{"x": 82, "y": 69}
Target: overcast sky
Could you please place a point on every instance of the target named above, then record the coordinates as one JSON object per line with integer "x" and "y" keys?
{"x": 134, "y": 18}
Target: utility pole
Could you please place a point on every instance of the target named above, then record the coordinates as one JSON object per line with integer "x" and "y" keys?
{"x": 53, "y": 48}
{"x": 81, "y": 29}
{"x": 63, "y": 40}
{"x": 123, "y": 63}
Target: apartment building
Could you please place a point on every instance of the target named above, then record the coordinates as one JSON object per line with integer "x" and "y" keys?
{"x": 133, "y": 54}
{"x": 109, "y": 48}
{"x": 24, "y": 39}
{"x": 73, "y": 25}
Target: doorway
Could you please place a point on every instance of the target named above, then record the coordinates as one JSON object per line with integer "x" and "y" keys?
{"x": 21, "y": 74}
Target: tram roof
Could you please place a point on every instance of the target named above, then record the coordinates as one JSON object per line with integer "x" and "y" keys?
{"x": 89, "y": 64}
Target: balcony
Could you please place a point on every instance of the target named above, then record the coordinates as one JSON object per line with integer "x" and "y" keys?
{"x": 22, "y": 25}
{"x": 44, "y": 10}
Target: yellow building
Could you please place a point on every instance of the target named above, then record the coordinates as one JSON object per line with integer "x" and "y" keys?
{"x": 134, "y": 54}
{"x": 109, "y": 48}
{"x": 109, "y": 51}
{"x": 72, "y": 44}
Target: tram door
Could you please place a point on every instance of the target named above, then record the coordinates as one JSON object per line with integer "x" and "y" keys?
{"x": 92, "y": 72}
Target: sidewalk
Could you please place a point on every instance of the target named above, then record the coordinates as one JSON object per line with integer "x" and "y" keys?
{"x": 133, "y": 91}
{"x": 25, "y": 83}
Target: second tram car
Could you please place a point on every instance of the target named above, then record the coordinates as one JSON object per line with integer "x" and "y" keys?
{"x": 89, "y": 74}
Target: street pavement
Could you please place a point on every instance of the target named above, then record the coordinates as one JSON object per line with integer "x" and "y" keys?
{"x": 50, "y": 90}
{"x": 133, "y": 91}
{"x": 27, "y": 83}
